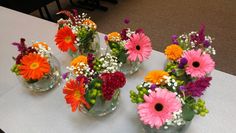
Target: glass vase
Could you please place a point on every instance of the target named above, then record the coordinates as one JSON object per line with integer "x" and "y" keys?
{"x": 103, "y": 107}
{"x": 129, "y": 67}
{"x": 92, "y": 46}
{"x": 48, "y": 81}
{"x": 170, "y": 129}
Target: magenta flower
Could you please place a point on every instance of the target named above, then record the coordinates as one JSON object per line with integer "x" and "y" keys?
{"x": 139, "y": 47}
{"x": 196, "y": 88}
{"x": 158, "y": 107}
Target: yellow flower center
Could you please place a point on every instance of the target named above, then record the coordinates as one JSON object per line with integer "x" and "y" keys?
{"x": 34, "y": 65}
{"x": 68, "y": 39}
{"x": 77, "y": 94}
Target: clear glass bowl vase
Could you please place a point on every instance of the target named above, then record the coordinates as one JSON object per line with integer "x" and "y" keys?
{"x": 93, "y": 46}
{"x": 47, "y": 82}
{"x": 103, "y": 107}
{"x": 170, "y": 129}
{"x": 129, "y": 67}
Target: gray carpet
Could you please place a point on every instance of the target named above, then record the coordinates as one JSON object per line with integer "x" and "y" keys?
{"x": 162, "y": 18}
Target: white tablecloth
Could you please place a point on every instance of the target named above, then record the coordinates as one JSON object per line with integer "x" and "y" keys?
{"x": 24, "y": 112}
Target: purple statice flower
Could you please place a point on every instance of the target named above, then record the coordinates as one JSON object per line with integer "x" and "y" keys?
{"x": 75, "y": 12}
{"x": 21, "y": 46}
{"x": 105, "y": 38}
{"x": 193, "y": 37}
{"x": 182, "y": 63}
{"x": 90, "y": 60}
{"x": 201, "y": 35}
{"x": 64, "y": 75}
{"x": 82, "y": 76}
{"x": 126, "y": 21}
{"x": 206, "y": 43}
{"x": 30, "y": 50}
{"x": 139, "y": 31}
{"x": 123, "y": 34}
{"x": 173, "y": 70}
{"x": 18, "y": 58}
{"x": 197, "y": 87}
{"x": 182, "y": 88}
{"x": 153, "y": 87}
{"x": 174, "y": 39}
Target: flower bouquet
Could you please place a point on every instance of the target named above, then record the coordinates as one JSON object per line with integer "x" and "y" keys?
{"x": 168, "y": 100}
{"x": 130, "y": 47}
{"x": 36, "y": 67}
{"x": 77, "y": 34}
{"x": 93, "y": 84}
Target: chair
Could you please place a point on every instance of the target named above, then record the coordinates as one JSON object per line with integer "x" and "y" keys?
{"x": 28, "y": 6}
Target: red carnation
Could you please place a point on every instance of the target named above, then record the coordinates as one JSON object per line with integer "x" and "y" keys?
{"x": 111, "y": 82}
{"x": 120, "y": 79}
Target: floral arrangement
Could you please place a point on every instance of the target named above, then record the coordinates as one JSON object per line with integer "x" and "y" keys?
{"x": 76, "y": 34}
{"x": 128, "y": 44}
{"x": 32, "y": 63}
{"x": 89, "y": 77}
{"x": 173, "y": 97}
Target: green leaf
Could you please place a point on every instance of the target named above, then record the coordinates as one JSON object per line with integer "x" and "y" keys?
{"x": 188, "y": 113}
{"x": 122, "y": 57}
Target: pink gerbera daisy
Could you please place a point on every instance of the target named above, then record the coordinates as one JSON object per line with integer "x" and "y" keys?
{"x": 139, "y": 46}
{"x": 158, "y": 107}
{"x": 198, "y": 64}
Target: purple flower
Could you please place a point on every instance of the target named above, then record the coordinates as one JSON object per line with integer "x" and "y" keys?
{"x": 183, "y": 62}
{"x": 201, "y": 35}
{"x": 139, "y": 30}
{"x": 206, "y": 43}
{"x": 75, "y": 12}
{"x": 182, "y": 88}
{"x": 174, "y": 39}
{"x": 193, "y": 37}
{"x": 30, "y": 50}
{"x": 18, "y": 58}
{"x": 90, "y": 60}
{"x": 153, "y": 87}
{"x": 21, "y": 46}
{"x": 197, "y": 87}
{"x": 126, "y": 21}
{"x": 105, "y": 38}
{"x": 80, "y": 77}
{"x": 123, "y": 34}
{"x": 173, "y": 70}
{"x": 64, "y": 75}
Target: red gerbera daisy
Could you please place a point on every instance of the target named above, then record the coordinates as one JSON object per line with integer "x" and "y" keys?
{"x": 75, "y": 94}
{"x": 65, "y": 39}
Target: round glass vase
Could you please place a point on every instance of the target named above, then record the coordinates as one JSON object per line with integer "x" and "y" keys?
{"x": 92, "y": 46}
{"x": 170, "y": 129}
{"x": 47, "y": 82}
{"x": 130, "y": 67}
{"x": 103, "y": 107}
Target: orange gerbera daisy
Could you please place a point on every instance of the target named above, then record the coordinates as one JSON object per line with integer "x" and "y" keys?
{"x": 33, "y": 66}
{"x": 75, "y": 94}
{"x": 65, "y": 39}
{"x": 156, "y": 76}
{"x": 36, "y": 45}
{"x": 90, "y": 23}
{"x": 80, "y": 59}
{"x": 114, "y": 37}
{"x": 173, "y": 52}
